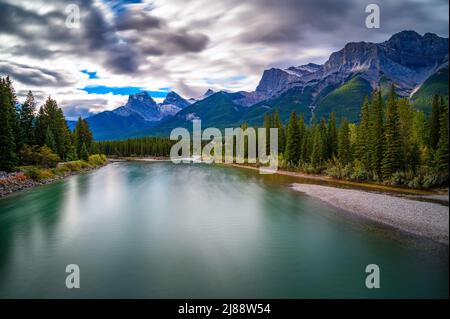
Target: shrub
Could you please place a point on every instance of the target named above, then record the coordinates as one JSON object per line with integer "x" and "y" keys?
{"x": 359, "y": 172}
{"x": 61, "y": 169}
{"x": 74, "y": 166}
{"x": 41, "y": 156}
{"x": 47, "y": 157}
{"x": 36, "y": 173}
{"x": 398, "y": 178}
{"x": 33, "y": 172}
{"x": 416, "y": 182}
{"x": 97, "y": 160}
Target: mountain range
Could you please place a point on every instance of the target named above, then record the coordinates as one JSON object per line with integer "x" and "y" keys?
{"x": 417, "y": 65}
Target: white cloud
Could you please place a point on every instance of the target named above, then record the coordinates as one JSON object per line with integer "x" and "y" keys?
{"x": 188, "y": 46}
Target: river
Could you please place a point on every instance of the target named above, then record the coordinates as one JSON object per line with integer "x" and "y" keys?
{"x": 159, "y": 230}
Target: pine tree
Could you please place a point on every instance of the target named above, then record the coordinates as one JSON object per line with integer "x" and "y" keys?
{"x": 84, "y": 154}
{"x": 434, "y": 124}
{"x": 344, "y": 153}
{"x": 27, "y": 119}
{"x": 14, "y": 117}
{"x": 332, "y": 136}
{"x": 319, "y": 148}
{"x": 50, "y": 140}
{"x": 8, "y": 157}
{"x": 392, "y": 158}
{"x": 281, "y": 134}
{"x": 363, "y": 134}
{"x": 293, "y": 141}
{"x": 51, "y": 116}
{"x": 442, "y": 155}
{"x": 83, "y": 135}
{"x": 376, "y": 133}
{"x": 303, "y": 140}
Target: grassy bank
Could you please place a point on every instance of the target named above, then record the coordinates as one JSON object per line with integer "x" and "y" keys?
{"x": 30, "y": 176}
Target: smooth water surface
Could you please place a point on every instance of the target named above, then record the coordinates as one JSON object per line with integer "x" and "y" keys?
{"x": 159, "y": 230}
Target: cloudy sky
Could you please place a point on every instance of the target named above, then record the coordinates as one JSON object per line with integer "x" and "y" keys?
{"x": 122, "y": 47}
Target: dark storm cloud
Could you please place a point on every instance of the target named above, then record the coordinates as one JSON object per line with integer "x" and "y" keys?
{"x": 332, "y": 22}
{"x": 136, "y": 40}
{"x": 98, "y": 37}
{"x": 33, "y": 50}
{"x": 289, "y": 20}
{"x": 188, "y": 42}
{"x": 13, "y": 18}
{"x": 34, "y": 75}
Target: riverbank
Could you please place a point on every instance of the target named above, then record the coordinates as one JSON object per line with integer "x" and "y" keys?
{"x": 419, "y": 218}
{"x": 17, "y": 181}
{"x": 441, "y": 195}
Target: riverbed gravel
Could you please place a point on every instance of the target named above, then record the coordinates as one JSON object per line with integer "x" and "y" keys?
{"x": 425, "y": 219}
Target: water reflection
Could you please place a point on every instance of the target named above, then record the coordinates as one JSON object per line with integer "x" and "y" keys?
{"x": 156, "y": 230}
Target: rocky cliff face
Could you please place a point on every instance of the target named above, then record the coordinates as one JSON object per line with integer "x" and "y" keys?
{"x": 406, "y": 59}
{"x": 174, "y": 99}
{"x": 141, "y": 104}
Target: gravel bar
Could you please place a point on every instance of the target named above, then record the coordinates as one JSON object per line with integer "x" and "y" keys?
{"x": 420, "y": 218}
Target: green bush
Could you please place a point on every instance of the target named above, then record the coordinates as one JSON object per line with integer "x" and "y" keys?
{"x": 61, "y": 169}
{"x": 33, "y": 173}
{"x": 36, "y": 173}
{"x": 398, "y": 178}
{"x": 41, "y": 156}
{"x": 359, "y": 172}
{"x": 97, "y": 160}
{"x": 47, "y": 158}
{"x": 75, "y": 166}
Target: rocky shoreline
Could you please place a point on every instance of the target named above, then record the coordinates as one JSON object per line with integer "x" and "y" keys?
{"x": 424, "y": 219}
{"x": 17, "y": 181}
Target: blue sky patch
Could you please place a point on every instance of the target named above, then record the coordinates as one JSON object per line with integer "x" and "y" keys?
{"x": 92, "y": 75}
{"x": 119, "y": 6}
{"x": 127, "y": 90}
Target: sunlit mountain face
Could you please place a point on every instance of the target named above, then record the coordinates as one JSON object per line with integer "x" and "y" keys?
{"x": 121, "y": 48}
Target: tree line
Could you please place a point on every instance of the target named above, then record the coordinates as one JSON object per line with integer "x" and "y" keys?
{"x": 29, "y": 136}
{"x": 392, "y": 143}
{"x": 146, "y": 146}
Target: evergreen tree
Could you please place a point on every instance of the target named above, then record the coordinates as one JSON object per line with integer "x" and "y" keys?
{"x": 84, "y": 154}
{"x": 27, "y": 119}
{"x": 392, "y": 159}
{"x": 267, "y": 125}
{"x": 442, "y": 156}
{"x": 303, "y": 140}
{"x": 293, "y": 141}
{"x": 15, "y": 122}
{"x": 332, "y": 136}
{"x": 281, "y": 134}
{"x": 376, "y": 140}
{"x": 409, "y": 143}
{"x": 319, "y": 148}
{"x": 363, "y": 135}
{"x": 434, "y": 124}
{"x": 51, "y": 116}
{"x": 8, "y": 157}
{"x": 344, "y": 153}
{"x": 50, "y": 140}
{"x": 83, "y": 135}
